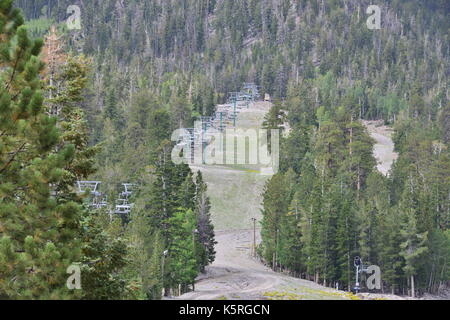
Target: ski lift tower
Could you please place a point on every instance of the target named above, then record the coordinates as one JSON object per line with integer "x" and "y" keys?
{"x": 186, "y": 141}
{"x": 221, "y": 113}
{"x": 206, "y": 125}
{"x": 233, "y": 98}
{"x": 357, "y": 262}
{"x": 128, "y": 187}
{"x": 93, "y": 187}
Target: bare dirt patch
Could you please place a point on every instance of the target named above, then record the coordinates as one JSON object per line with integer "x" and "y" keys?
{"x": 384, "y": 147}
{"x": 237, "y": 275}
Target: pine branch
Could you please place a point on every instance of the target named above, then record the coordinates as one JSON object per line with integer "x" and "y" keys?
{"x": 12, "y": 158}
{"x": 14, "y": 69}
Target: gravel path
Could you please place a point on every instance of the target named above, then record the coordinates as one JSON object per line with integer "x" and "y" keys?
{"x": 384, "y": 147}
{"x": 237, "y": 275}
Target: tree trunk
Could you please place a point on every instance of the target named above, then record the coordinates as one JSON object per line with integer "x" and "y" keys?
{"x": 273, "y": 260}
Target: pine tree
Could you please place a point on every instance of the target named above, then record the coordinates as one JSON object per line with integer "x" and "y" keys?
{"x": 144, "y": 253}
{"x": 104, "y": 258}
{"x": 54, "y": 56}
{"x": 414, "y": 244}
{"x": 67, "y": 78}
{"x": 187, "y": 193}
{"x": 273, "y": 120}
{"x": 360, "y": 148}
{"x": 290, "y": 252}
{"x": 204, "y": 224}
{"x": 165, "y": 194}
{"x": 38, "y": 225}
{"x": 275, "y": 206}
{"x": 70, "y": 79}
{"x": 153, "y": 281}
{"x": 182, "y": 264}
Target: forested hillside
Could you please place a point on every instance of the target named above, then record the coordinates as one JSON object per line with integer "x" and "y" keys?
{"x": 109, "y": 98}
{"x": 181, "y": 57}
{"x": 48, "y": 143}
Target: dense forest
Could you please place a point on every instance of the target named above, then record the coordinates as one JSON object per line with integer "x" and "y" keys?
{"x": 46, "y": 147}
{"x": 101, "y": 103}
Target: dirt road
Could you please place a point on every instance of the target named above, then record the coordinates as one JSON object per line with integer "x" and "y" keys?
{"x": 237, "y": 275}
{"x": 384, "y": 146}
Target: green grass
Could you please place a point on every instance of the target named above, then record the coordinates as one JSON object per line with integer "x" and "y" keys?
{"x": 236, "y": 193}
{"x": 306, "y": 293}
{"x": 235, "y": 198}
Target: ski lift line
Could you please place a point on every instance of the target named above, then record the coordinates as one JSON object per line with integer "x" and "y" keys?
{"x": 224, "y": 115}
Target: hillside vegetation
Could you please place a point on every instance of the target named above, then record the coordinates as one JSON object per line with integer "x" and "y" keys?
{"x": 107, "y": 99}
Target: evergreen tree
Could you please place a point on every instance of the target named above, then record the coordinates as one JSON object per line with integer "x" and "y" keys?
{"x": 204, "y": 224}
{"x": 182, "y": 261}
{"x": 39, "y": 224}
{"x": 153, "y": 283}
{"x": 104, "y": 258}
{"x": 275, "y": 207}
{"x": 414, "y": 243}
